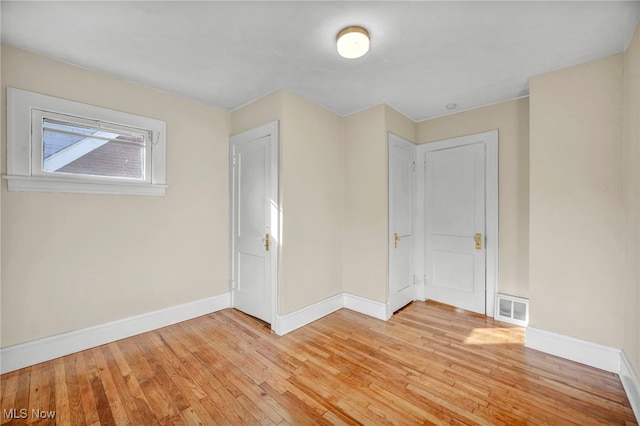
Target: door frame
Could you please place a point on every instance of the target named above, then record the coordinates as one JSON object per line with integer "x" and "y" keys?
{"x": 490, "y": 140}
{"x": 270, "y": 130}
{"x": 393, "y": 138}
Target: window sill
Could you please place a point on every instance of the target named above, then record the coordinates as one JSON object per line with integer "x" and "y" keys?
{"x": 46, "y": 184}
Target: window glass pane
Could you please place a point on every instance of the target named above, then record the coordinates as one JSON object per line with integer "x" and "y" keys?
{"x": 76, "y": 149}
{"x": 55, "y": 141}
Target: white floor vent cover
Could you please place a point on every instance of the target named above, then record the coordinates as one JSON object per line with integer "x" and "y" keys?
{"x": 514, "y": 310}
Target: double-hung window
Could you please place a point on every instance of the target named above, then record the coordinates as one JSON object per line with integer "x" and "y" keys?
{"x": 56, "y": 145}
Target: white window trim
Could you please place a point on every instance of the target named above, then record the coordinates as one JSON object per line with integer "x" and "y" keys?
{"x": 20, "y": 173}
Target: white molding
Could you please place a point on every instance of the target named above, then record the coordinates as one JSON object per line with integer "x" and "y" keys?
{"x": 603, "y": 357}
{"x": 86, "y": 186}
{"x": 492, "y": 219}
{"x": 41, "y": 350}
{"x": 372, "y": 308}
{"x": 582, "y": 351}
{"x": 419, "y": 292}
{"x": 631, "y": 383}
{"x": 30, "y": 353}
{"x": 287, "y": 323}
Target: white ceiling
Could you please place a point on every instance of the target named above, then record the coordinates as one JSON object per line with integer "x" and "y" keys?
{"x": 424, "y": 55}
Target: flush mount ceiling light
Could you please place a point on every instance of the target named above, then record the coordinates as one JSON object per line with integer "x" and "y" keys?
{"x": 353, "y": 42}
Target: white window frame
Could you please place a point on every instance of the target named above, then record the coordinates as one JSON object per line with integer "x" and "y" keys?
{"x": 24, "y": 147}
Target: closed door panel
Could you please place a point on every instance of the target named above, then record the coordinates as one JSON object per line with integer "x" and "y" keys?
{"x": 251, "y": 285}
{"x": 401, "y": 221}
{"x": 455, "y": 226}
{"x": 251, "y": 175}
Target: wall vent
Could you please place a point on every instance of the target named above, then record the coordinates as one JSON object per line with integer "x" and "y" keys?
{"x": 514, "y": 310}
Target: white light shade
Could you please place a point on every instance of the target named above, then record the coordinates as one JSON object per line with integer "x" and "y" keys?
{"x": 353, "y": 42}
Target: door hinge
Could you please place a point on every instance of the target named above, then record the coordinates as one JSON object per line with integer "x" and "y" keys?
{"x": 234, "y": 160}
{"x": 414, "y": 280}
{"x": 413, "y": 166}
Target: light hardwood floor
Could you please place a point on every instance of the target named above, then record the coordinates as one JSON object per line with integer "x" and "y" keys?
{"x": 429, "y": 364}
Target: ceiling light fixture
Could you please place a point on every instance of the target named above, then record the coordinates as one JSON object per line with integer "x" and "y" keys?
{"x": 353, "y": 42}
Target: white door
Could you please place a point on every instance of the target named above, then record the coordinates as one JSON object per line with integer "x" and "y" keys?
{"x": 455, "y": 226}
{"x": 402, "y": 166}
{"x": 254, "y": 221}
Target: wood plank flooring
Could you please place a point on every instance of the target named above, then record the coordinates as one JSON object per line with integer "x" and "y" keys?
{"x": 429, "y": 364}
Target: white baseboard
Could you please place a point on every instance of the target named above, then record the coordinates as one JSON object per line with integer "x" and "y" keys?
{"x": 287, "y": 323}
{"x": 603, "y": 357}
{"x": 301, "y": 317}
{"x": 369, "y": 307}
{"x": 582, "y": 351}
{"x": 631, "y": 384}
{"x": 30, "y": 353}
{"x": 40, "y": 350}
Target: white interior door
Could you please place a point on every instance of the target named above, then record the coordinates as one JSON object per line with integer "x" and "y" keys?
{"x": 254, "y": 221}
{"x": 455, "y": 226}
{"x": 402, "y": 166}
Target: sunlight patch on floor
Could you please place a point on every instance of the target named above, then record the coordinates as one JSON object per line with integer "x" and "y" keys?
{"x": 495, "y": 336}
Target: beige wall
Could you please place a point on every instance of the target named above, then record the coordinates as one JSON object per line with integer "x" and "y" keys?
{"x": 73, "y": 260}
{"x": 631, "y": 194}
{"x": 312, "y": 192}
{"x": 365, "y": 218}
{"x": 399, "y": 124}
{"x": 512, "y": 121}
{"x": 365, "y": 213}
{"x": 366, "y": 262}
{"x": 311, "y": 195}
{"x": 259, "y": 112}
{"x": 576, "y": 214}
